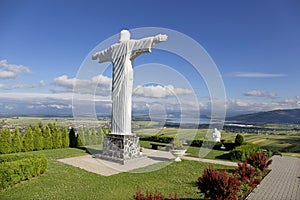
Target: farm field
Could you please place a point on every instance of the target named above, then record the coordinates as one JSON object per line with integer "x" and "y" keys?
{"x": 287, "y": 142}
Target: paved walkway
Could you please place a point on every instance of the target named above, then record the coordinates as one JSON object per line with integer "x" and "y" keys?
{"x": 220, "y": 162}
{"x": 282, "y": 183}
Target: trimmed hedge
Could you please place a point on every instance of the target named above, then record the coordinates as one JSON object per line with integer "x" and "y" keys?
{"x": 229, "y": 145}
{"x": 156, "y": 138}
{"x": 244, "y": 151}
{"x": 196, "y": 143}
{"x": 15, "y": 168}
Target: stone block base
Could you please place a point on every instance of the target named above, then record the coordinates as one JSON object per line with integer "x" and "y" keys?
{"x": 120, "y": 148}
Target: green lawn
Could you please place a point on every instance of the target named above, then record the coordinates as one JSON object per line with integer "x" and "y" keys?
{"x": 62, "y": 181}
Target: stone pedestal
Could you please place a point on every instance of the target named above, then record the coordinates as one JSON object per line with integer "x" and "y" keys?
{"x": 120, "y": 148}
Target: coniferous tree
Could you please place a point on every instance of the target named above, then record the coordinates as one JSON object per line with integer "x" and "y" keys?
{"x": 65, "y": 138}
{"x": 72, "y": 138}
{"x": 80, "y": 137}
{"x": 28, "y": 144}
{"x": 87, "y": 136}
{"x": 47, "y": 139}
{"x": 239, "y": 140}
{"x": 38, "y": 138}
{"x": 56, "y": 137}
{"x": 5, "y": 141}
{"x": 100, "y": 135}
{"x": 93, "y": 136}
{"x": 16, "y": 141}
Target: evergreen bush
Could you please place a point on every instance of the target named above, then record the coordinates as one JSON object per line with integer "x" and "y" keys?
{"x": 239, "y": 140}
{"x": 47, "y": 138}
{"x": 243, "y": 152}
{"x": 15, "y": 168}
{"x": 65, "y": 138}
{"x": 38, "y": 139}
{"x": 5, "y": 141}
{"x": 28, "y": 144}
{"x": 16, "y": 141}
{"x": 73, "y": 139}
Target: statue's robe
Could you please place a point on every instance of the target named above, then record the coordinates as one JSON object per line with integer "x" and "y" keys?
{"x": 122, "y": 55}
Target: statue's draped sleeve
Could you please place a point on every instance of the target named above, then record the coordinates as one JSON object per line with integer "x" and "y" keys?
{"x": 141, "y": 46}
{"x": 105, "y": 55}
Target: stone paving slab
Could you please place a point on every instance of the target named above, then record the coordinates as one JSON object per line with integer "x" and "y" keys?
{"x": 282, "y": 183}
{"x": 108, "y": 168}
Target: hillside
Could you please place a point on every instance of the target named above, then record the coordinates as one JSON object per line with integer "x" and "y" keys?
{"x": 291, "y": 116}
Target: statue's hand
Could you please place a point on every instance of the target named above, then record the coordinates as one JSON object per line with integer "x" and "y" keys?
{"x": 95, "y": 56}
{"x": 162, "y": 38}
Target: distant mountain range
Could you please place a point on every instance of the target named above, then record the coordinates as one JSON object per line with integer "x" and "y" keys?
{"x": 287, "y": 116}
{"x": 291, "y": 116}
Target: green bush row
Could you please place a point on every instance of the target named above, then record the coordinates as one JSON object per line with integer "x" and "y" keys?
{"x": 89, "y": 136}
{"x": 33, "y": 139}
{"x": 156, "y": 138}
{"x": 15, "y": 168}
{"x": 244, "y": 151}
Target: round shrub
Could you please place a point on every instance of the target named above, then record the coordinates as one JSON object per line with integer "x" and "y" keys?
{"x": 239, "y": 140}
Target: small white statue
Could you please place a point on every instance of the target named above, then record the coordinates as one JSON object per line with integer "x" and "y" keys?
{"x": 216, "y": 135}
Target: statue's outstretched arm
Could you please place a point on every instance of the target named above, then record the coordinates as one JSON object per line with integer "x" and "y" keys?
{"x": 102, "y": 56}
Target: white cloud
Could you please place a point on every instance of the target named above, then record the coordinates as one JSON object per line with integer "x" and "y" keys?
{"x": 88, "y": 86}
{"x": 22, "y": 86}
{"x": 256, "y": 75}
{"x": 8, "y": 71}
{"x": 42, "y": 83}
{"x": 297, "y": 97}
{"x": 259, "y": 93}
{"x": 8, "y": 107}
{"x": 159, "y": 91}
{"x": 17, "y": 86}
{"x": 60, "y": 106}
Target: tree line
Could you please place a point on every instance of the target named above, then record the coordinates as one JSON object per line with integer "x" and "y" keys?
{"x": 39, "y": 137}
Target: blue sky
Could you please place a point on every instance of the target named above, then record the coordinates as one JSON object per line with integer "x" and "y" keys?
{"x": 255, "y": 45}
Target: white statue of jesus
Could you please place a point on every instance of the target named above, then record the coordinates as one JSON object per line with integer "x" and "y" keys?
{"x": 122, "y": 55}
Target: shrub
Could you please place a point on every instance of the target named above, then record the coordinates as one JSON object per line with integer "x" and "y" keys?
{"x": 229, "y": 145}
{"x": 15, "y": 168}
{"x": 156, "y": 138}
{"x": 28, "y": 144}
{"x": 248, "y": 176}
{"x": 47, "y": 140}
{"x": 16, "y": 141}
{"x": 196, "y": 143}
{"x": 65, "y": 138}
{"x": 80, "y": 137}
{"x": 243, "y": 152}
{"x": 38, "y": 139}
{"x": 218, "y": 184}
{"x": 259, "y": 161}
{"x": 217, "y": 145}
{"x": 72, "y": 138}
{"x": 5, "y": 141}
{"x": 87, "y": 136}
{"x": 239, "y": 140}
{"x": 150, "y": 196}
{"x": 56, "y": 137}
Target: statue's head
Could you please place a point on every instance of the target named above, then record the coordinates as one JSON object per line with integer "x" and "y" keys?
{"x": 124, "y": 36}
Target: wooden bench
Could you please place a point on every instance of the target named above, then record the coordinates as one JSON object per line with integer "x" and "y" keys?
{"x": 156, "y": 145}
